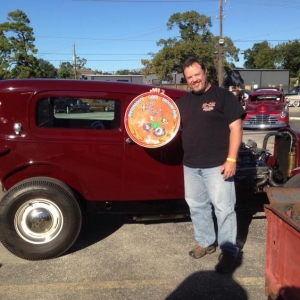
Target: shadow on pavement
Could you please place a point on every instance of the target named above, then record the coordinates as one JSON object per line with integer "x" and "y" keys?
{"x": 243, "y": 223}
{"x": 251, "y": 203}
{"x": 96, "y": 227}
{"x": 209, "y": 285}
{"x": 246, "y": 208}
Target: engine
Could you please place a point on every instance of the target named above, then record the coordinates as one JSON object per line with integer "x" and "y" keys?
{"x": 258, "y": 167}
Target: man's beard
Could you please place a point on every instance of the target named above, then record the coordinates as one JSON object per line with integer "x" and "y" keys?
{"x": 200, "y": 90}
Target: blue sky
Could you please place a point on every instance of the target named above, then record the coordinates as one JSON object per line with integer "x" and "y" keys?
{"x": 114, "y": 35}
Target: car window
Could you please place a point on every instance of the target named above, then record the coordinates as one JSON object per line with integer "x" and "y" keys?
{"x": 78, "y": 113}
{"x": 256, "y": 98}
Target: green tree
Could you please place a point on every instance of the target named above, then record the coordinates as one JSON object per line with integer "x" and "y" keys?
{"x": 4, "y": 56}
{"x": 80, "y": 62}
{"x": 45, "y": 69}
{"x": 195, "y": 40}
{"x": 128, "y": 72}
{"x": 288, "y": 57}
{"x": 66, "y": 70}
{"x": 102, "y": 72}
{"x": 20, "y": 37}
{"x": 261, "y": 56}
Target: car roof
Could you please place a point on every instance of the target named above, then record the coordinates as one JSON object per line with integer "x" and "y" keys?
{"x": 37, "y": 85}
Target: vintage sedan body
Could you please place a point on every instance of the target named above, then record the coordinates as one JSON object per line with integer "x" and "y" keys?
{"x": 266, "y": 109}
{"x": 293, "y": 99}
{"x": 55, "y": 166}
{"x": 70, "y": 163}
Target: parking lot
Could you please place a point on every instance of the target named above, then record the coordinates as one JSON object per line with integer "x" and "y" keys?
{"x": 115, "y": 258}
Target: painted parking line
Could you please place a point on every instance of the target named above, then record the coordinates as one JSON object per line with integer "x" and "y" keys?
{"x": 294, "y": 118}
{"x": 108, "y": 285}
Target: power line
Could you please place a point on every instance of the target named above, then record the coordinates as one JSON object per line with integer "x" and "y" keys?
{"x": 138, "y": 40}
{"x": 47, "y": 53}
{"x": 154, "y": 1}
{"x": 131, "y": 54}
{"x": 71, "y": 60}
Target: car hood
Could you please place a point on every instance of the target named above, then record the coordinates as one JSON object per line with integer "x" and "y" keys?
{"x": 265, "y": 107}
{"x": 292, "y": 96}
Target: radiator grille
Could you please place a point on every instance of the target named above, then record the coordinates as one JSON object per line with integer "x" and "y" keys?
{"x": 263, "y": 119}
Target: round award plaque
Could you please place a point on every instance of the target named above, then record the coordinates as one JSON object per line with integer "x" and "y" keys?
{"x": 152, "y": 120}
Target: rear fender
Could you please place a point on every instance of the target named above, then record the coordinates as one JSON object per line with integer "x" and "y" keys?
{"x": 46, "y": 170}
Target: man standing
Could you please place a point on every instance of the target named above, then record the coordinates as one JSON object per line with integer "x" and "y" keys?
{"x": 211, "y": 137}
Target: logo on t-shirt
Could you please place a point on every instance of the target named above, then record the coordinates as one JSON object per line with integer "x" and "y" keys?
{"x": 208, "y": 106}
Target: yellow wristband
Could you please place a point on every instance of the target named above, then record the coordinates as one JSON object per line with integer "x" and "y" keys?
{"x": 231, "y": 159}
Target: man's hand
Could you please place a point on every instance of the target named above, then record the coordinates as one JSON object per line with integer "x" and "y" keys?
{"x": 236, "y": 131}
{"x": 157, "y": 91}
{"x": 228, "y": 169}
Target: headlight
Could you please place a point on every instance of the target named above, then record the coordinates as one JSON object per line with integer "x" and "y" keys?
{"x": 283, "y": 114}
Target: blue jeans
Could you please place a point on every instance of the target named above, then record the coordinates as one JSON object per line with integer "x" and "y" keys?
{"x": 205, "y": 188}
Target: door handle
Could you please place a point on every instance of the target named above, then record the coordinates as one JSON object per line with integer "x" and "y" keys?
{"x": 129, "y": 141}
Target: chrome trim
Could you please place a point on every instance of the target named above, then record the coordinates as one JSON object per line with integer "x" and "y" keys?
{"x": 263, "y": 126}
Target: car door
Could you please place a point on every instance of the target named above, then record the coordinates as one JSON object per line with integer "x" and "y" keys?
{"x": 152, "y": 173}
{"x": 93, "y": 152}
{"x": 84, "y": 150}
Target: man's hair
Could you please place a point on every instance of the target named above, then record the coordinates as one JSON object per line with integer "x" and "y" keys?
{"x": 190, "y": 61}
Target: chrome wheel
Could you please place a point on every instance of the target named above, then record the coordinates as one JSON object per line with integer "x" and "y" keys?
{"x": 40, "y": 218}
{"x": 296, "y": 103}
{"x": 38, "y": 221}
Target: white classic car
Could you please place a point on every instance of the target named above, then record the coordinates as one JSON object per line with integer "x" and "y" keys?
{"x": 293, "y": 100}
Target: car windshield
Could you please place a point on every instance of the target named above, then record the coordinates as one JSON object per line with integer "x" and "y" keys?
{"x": 256, "y": 98}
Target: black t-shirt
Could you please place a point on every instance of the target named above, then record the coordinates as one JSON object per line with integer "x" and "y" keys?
{"x": 205, "y": 120}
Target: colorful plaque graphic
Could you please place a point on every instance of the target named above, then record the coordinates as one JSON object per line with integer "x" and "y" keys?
{"x": 152, "y": 120}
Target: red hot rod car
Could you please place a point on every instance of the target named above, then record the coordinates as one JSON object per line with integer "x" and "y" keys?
{"x": 55, "y": 165}
{"x": 266, "y": 109}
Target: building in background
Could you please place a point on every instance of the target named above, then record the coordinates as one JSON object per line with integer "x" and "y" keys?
{"x": 246, "y": 78}
{"x": 258, "y": 78}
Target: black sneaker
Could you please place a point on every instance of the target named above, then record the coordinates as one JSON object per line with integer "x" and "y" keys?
{"x": 227, "y": 262}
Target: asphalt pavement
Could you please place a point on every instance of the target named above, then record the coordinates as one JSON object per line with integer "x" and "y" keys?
{"x": 117, "y": 259}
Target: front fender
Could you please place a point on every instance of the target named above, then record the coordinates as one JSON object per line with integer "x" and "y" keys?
{"x": 43, "y": 169}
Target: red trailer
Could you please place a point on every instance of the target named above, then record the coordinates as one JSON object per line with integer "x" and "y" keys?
{"x": 283, "y": 244}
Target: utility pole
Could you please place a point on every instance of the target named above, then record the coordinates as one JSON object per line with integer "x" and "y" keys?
{"x": 74, "y": 60}
{"x": 220, "y": 48}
